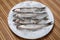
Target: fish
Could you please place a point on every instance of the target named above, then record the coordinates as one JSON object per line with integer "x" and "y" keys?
{"x": 34, "y": 27}
{"x": 38, "y": 15}
{"x": 25, "y": 9}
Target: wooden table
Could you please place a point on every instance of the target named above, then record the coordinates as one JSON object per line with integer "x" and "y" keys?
{"x": 7, "y": 34}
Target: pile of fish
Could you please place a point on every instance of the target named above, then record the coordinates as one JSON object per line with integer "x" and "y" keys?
{"x": 30, "y": 18}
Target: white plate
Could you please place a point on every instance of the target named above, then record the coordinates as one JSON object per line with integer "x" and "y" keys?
{"x": 29, "y": 34}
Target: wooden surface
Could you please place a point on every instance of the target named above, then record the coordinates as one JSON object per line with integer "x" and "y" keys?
{"x": 7, "y": 34}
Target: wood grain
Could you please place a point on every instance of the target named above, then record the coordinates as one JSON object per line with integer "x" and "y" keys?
{"x": 7, "y": 34}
